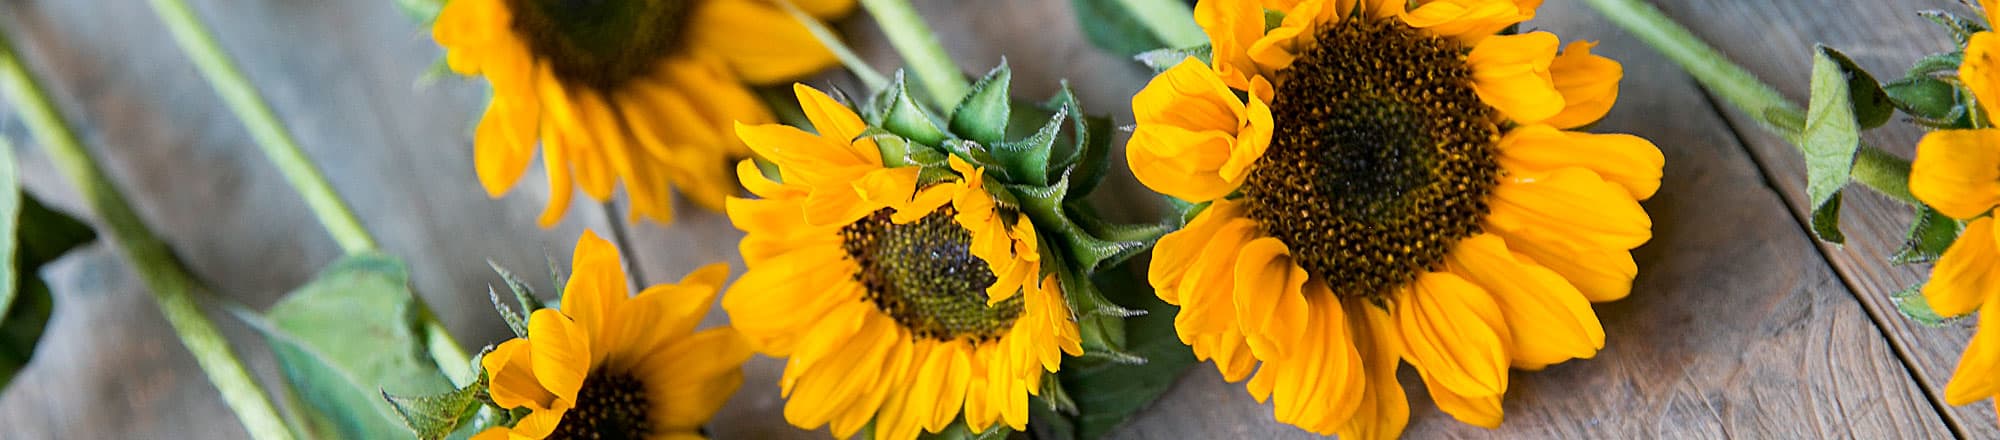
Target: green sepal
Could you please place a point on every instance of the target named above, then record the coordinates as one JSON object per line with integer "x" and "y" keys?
{"x": 522, "y": 293}
{"x": 1912, "y": 304}
{"x": 1931, "y": 232}
{"x": 1831, "y": 138}
{"x": 1028, "y": 158}
{"x": 515, "y": 321}
{"x": 437, "y": 416}
{"x": 556, "y": 276}
{"x": 983, "y": 114}
{"x": 1045, "y": 204}
{"x": 1961, "y": 28}
{"x": 959, "y": 431}
{"x": 895, "y": 149}
{"x": 1162, "y": 59}
{"x": 421, "y": 11}
{"x": 1106, "y": 392}
{"x": 1924, "y": 97}
{"x": 1088, "y": 157}
{"x": 1872, "y": 107}
{"x": 894, "y": 109}
{"x": 1054, "y": 396}
{"x": 973, "y": 153}
{"x": 1934, "y": 65}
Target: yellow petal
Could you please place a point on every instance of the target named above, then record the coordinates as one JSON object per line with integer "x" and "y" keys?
{"x": 1295, "y": 34}
{"x": 1321, "y": 384}
{"x": 1469, "y": 20}
{"x": 1590, "y": 213}
{"x": 596, "y": 288}
{"x": 1958, "y": 171}
{"x": 1231, "y": 26}
{"x": 1588, "y": 83}
{"x": 1178, "y": 250}
{"x": 1269, "y": 298}
{"x": 1979, "y": 72}
{"x": 1384, "y": 410}
{"x": 1601, "y": 274}
{"x": 1978, "y": 374}
{"x": 782, "y": 48}
{"x": 887, "y": 187}
{"x": 1627, "y": 160}
{"x": 511, "y": 379}
{"x": 1206, "y": 293}
{"x": 691, "y": 379}
{"x": 1511, "y": 73}
{"x": 560, "y": 353}
{"x": 1452, "y": 329}
{"x": 1965, "y": 275}
{"x": 834, "y": 120}
{"x": 1548, "y": 318}
{"x": 1190, "y": 127}
{"x": 555, "y": 162}
{"x": 499, "y": 158}
{"x": 471, "y": 23}
{"x": 1481, "y": 411}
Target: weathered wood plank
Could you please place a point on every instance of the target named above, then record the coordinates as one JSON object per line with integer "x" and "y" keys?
{"x": 1883, "y": 37}
{"x": 340, "y": 74}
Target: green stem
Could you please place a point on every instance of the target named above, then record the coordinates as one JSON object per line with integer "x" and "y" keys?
{"x": 278, "y": 145}
{"x": 920, "y": 49}
{"x": 860, "y": 68}
{"x": 172, "y": 286}
{"x": 1172, "y": 21}
{"x": 271, "y": 136}
{"x": 1873, "y": 168}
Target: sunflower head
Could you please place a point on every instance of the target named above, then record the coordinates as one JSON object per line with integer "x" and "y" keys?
{"x": 634, "y": 92}
{"x": 1379, "y": 182}
{"x": 919, "y": 269}
{"x": 1956, "y": 174}
{"x": 608, "y": 364}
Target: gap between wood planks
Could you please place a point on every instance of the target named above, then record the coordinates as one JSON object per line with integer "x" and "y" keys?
{"x": 1876, "y": 316}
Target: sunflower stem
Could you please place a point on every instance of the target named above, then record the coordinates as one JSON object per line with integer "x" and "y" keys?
{"x": 867, "y": 74}
{"x": 1873, "y": 168}
{"x": 1172, "y": 21}
{"x": 271, "y": 136}
{"x": 173, "y": 288}
{"x": 920, "y": 49}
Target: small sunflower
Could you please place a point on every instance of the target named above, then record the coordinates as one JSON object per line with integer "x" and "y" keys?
{"x": 1385, "y": 184}
{"x": 1957, "y": 172}
{"x": 609, "y": 365}
{"x": 639, "y": 91}
{"x": 898, "y": 298}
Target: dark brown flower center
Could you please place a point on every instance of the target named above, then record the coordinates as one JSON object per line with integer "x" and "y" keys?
{"x": 610, "y": 406}
{"x": 924, "y": 276}
{"x": 1382, "y": 157}
{"x": 601, "y": 43}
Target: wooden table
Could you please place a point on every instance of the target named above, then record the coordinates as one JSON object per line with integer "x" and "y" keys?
{"x": 1740, "y": 324}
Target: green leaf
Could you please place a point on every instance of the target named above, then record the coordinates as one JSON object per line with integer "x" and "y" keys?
{"x": 1923, "y": 97}
{"x": 436, "y": 416}
{"x": 1162, "y": 59}
{"x": 1913, "y": 305}
{"x": 1936, "y": 64}
{"x": 982, "y": 115}
{"x": 1930, "y": 234}
{"x": 35, "y": 237}
{"x": 344, "y": 338}
{"x": 1110, "y": 27}
{"x": 1107, "y": 393}
{"x": 1831, "y": 138}
{"x": 422, "y": 11}
{"x": 1961, "y": 28}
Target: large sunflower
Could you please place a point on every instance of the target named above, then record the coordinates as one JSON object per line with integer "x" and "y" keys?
{"x": 611, "y": 366}
{"x": 639, "y": 91}
{"x": 1386, "y": 184}
{"x": 903, "y": 300}
{"x": 1958, "y": 173}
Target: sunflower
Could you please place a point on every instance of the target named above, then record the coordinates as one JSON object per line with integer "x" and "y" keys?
{"x": 898, "y": 299}
{"x": 1383, "y": 185}
{"x": 616, "y": 366}
{"x": 1957, "y": 172}
{"x": 639, "y": 91}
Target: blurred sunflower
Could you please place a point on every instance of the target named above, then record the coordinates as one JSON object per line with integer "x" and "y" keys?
{"x": 1957, "y": 172}
{"x": 639, "y": 91}
{"x": 608, "y": 365}
{"x": 901, "y": 300}
{"x": 1388, "y": 184}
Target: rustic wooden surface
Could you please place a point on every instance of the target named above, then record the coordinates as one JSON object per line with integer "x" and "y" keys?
{"x": 1740, "y": 325}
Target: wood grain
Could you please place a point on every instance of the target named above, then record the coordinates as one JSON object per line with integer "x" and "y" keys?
{"x": 1884, "y": 38}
